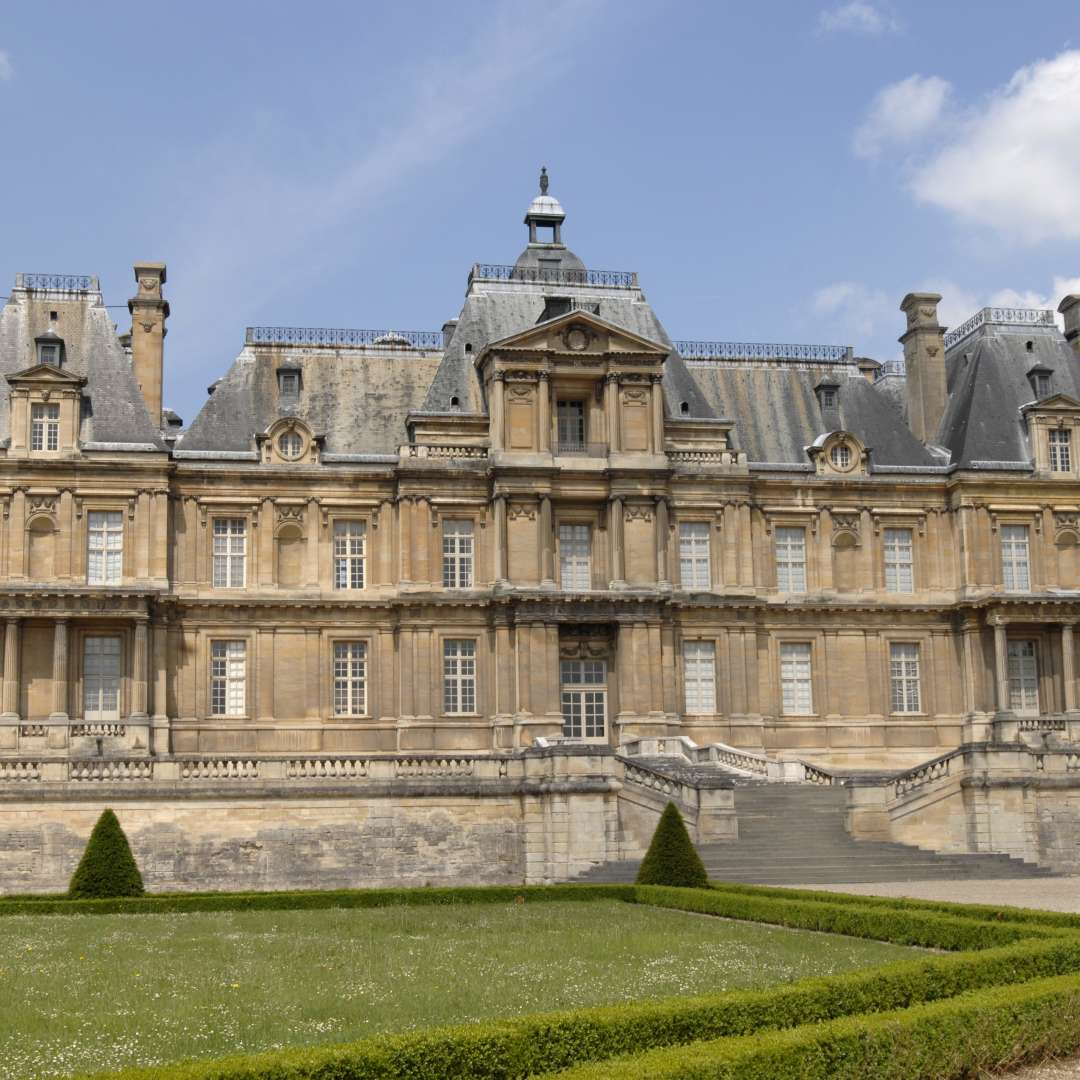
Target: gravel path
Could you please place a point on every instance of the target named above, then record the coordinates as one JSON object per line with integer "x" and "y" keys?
{"x": 1050, "y": 894}
{"x": 1061, "y": 1070}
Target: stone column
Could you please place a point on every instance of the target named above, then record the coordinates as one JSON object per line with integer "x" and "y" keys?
{"x": 498, "y": 425}
{"x": 1001, "y": 667}
{"x": 60, "y": 671}
{"x": 662, "y": 542}
{"x": 404, "y": 531}
{"x": 612, "y": 393}
{"x": 160, "y": 704}
{"x": 12, "y": 641}
{"x": 139, "y": 669}
{"x": 544, "y": 392}
{"x": 1067, "y": 666}
{"x": 657, "y": 414}
{"x": 615, "y": 533}
{"x": 501, "y": 573}
{"x": 547, "y": 541}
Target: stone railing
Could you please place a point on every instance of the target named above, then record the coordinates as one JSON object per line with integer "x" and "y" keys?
{"x": 660, "y": 783}
{"x": 703, "y": 457}
{"x": 20, "y": 770}
{"x": 33, "y": 731}
{"x": 98, "y": 730}
{"x": 919, "y": 777}
{"x": 110, "y": 771}
{"x": 326, "y": 769}
{"x": 733, "y": 758}
{"x": 999, "y": 316}
{"x": 342, "y": 338}
{"x": 718, "y": 753}
{"x": 1072, "y": 762}
{"x": 543, "y": 275}
{"x": 219, "y": 769}
{"x": 1042, "y": 723}
{"x": 812, "y": 774}
{"x": 442, "y": 450}
{"x": 759, "y": 350}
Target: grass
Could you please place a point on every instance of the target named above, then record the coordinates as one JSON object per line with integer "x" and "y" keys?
{"x": 106, "y": 991}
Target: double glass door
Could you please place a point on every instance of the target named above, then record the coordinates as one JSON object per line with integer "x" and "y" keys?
{"x": 584, "y": 699}
{"x": 1023, "y": 677}
{"x": 101, "y": 680}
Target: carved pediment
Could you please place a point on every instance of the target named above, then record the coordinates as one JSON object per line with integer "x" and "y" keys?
{"x": 1058, "y": 403}
{"x": 45, "y": 375}
{"x": 579, "y": 333}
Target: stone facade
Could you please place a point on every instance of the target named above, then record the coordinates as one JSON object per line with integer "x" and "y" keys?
{"x": 545, "y": 526}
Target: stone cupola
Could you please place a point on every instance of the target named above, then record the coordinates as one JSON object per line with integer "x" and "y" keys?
{"x": 546, "y": 250}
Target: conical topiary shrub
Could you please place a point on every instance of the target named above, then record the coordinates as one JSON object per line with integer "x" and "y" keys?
{"x": 672, "y": 859}
{"x": 107, "y": 868}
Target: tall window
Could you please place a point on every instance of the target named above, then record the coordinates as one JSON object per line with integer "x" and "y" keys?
{"x": 457, "y": 554}
{"x": 899, "y": 561}
{"x": 575, "y": 562}
{"x": 904, "y": 677}
{"x": 350, "y": 678}
{"x": 1023, "y": 677}
{"x": 694, "y": 569}
{"x": 570, "y": 416}
{"x": 791, "y": 560}
{"x": 584, "y": 698}
{"x": 459, "y": 675}
{"x": 795, "y": 678}
{"x": 350, "y": 554}
{"x": 699, "y": 676}
{"x": 1015, "y": 565}
{"x": 228, "y": 678}
{"x": 1042, "y": 386}
{"x": 49, "y": 353}
{"x": 101, "y": 680}
{"x": 230, "y": 552}
{"x": 1060, "y": 450}
{"x": 45, "y": 427}
{"x": 105, "y": 547}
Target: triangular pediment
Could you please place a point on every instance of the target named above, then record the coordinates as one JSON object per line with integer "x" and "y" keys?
{"x": 45, "y": 375}
{"x": 1055, "y": 403}
{"x": 579, "y": 332}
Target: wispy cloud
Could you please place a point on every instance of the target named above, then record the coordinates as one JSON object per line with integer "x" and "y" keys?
{"x": 858, "y": 17}
{"x": 1013, "y": 165}
{"x": 7, "y": 69}
{"x": 259, "y": 209}
{"x": 901, "y": 114}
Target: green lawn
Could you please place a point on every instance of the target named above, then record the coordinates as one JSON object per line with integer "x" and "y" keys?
{"x": 105, "y": 991}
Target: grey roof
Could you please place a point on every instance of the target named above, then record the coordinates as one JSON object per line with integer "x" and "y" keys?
{"x": 357, "y": 398}
{"x": 988, "y": 385}
{"x": 114, "y": 414}
{"x": 777, "y": 415}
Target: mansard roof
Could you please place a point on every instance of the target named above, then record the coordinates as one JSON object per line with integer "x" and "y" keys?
{"x": 989, "y": 385}
{"x": 114, "y": 412}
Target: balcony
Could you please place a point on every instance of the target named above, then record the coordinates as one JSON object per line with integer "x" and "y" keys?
{"x": 577, "y": 448}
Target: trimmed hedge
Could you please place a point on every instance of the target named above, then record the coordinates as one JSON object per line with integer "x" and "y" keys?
{"x": 995, "y": 912}
{"x": 166, "y": 903}
{"x": 990, "y": 1029}
{"x": 672, "y": 859}
{"x": 927, "y": 929}
{"x": 516, "y": 1048}
{"x": 107, "y": 868}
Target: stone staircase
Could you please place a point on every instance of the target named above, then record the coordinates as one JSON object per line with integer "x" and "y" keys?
{"x": 794, "y": 834}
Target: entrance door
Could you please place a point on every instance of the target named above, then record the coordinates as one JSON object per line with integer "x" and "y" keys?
{"x": 1023, "y": 677}
{"x": 584, "y": 699}
{"x": 101, "y": 680}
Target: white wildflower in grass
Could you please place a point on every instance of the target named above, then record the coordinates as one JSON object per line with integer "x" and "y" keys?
{"x": 100, "y": 992}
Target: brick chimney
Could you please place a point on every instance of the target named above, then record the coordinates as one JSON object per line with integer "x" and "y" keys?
{"x": 924, "y": 358}
{"x": 148, "y": 314}
{"x": 1069, "y": 309}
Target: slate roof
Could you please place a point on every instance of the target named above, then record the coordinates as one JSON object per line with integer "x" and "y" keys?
{"x": 114, "y": 416}
{"x": 777, "y": 415}
{"x": 988, "y": 385}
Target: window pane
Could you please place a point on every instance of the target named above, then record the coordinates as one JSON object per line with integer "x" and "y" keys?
{"x": 904, "y": 677}
{"x": 795, "y": 678}
{"x": 791, "y": 560}
{"x": 1014, "y": 558}
{"x": 350, "y": 678}
{"x": 459, "y": 675}
{"x": 699, "y": 668}
{"x": 230, "y": 547}
{"x": 457, "y": 554}
{"x": 695, "y": 571}
{"x": 899, "y": 561}
{"x": 228, "y": 678}
{"x": 1060, "y": 450}
{"x": 575, "y": 563}
{"x": 570, "y": 417}
{"x": 350, "y": 554}
{"x": 104, "y": 547}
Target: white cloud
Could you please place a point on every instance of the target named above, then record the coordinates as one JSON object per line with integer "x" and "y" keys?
{"x": 856, "y": 311}
{"x": 902, "y": 113}
{"x": 857, "y": 17}
{"x": 7, "y": 69}
{"x": 1013, "y": 164}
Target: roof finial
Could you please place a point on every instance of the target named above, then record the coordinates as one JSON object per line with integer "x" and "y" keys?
{"x": 543, "y": 180}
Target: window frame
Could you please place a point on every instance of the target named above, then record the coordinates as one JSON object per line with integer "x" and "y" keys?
{"x": 459, "y": 683}
{"x": 806, "y": 658}
{"x": 697, "y": 558}
{"x": 1059, "y": 449}
{"x": 348, "y": 560}
{"x": 905, "y": 679}
{"x": 895, "y": 565}
{"x": 572, "y": 446}
{"x": 1007, "y": 548}
{"x": 229, "y": 556}
{"x": 699, "y": 677}
{"x": 586, "y": 692}
{"x": 785, "y": 566}
{"x": 563, "y": 554}
{"x": 45, "y": 426}
{"x": 106, "y": 578}
{"x": 224, "y": 679}
{"x": 458, "y": 557}
{"x": 346, "y": 683}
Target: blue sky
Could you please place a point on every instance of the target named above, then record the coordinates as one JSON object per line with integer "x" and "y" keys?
{"x": 774, "y": 171}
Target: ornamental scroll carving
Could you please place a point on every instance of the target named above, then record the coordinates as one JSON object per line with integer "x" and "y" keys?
{"x": 516, "y": 510}
{"x": 290, "y": 514}
{"x": 637, "y": 512}
{"x": 1066, "y": 521}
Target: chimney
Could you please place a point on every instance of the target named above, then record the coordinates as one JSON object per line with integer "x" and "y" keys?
{"x": 924, "y": 359}
{"x": 1069, "y": 309}
{"x": 148, "y": 314}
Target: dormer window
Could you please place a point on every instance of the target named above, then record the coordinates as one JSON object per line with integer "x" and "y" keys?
{"x": 841, "y": 456}
{"x": 290, "y": 445}
{"x": 828, "y": 395}
{"x": 288, "y": 385}
{"x": 1042, "y": 385}
{"x": 50, "y": 349}
{"x": 45, "y": 426}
